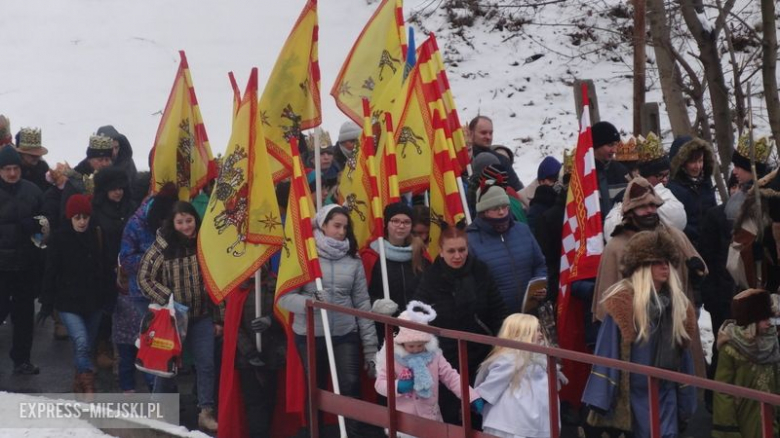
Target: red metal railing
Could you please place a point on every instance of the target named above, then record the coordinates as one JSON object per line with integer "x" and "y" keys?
{"x": 394, "y": 421}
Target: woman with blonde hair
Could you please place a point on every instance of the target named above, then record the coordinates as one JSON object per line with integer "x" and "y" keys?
{"x": 514, "y": 383}
{"x": 651, "y": 322}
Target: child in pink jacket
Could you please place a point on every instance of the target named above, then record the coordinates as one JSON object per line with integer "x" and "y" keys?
{"x": 419, "y": 367}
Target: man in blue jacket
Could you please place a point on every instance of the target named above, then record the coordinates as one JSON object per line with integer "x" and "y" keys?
{"x": 507, "y": 247}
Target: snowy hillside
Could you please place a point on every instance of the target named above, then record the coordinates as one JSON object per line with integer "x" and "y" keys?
{"x": 70, "y": 67}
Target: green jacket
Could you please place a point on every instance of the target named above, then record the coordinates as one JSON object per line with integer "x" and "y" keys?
{"x": 733, "y": 417}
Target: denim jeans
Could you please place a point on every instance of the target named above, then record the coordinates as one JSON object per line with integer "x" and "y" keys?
{"x": 82, "y": 330}
{"x": 346, "y": 350}
{"x": 200, "y": 343}
{"x": 126, "y": 368}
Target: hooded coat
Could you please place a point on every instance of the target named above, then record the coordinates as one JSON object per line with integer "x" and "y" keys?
{"x": 696, "y": 196}
{"x": 19, "y": 203}
{"x": 411, "y": 403}
{"x": 124, "y": 158}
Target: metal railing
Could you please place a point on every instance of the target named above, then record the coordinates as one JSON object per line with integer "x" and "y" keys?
{"x": 394, "y": 421}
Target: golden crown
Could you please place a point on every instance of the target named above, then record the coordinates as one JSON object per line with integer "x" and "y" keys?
{"x": 29, "y": 138}
{"x": 626, "y": 150}
{"x": 763, "y": 148}
{"x": 322, "y": 135}
{"x": 649, "y": 148}
{"x": 5, "y": 129}
{"x": 100, "y": 141}
{"x": 568, "y": 160}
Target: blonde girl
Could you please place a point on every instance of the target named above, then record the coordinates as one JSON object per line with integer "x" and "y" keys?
{"x": 513, "y": 383}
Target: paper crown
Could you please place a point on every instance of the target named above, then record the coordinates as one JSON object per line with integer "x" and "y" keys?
{"x": 568, "y": 160}
{"x": 626, "y": 150}
{"x": 322, "y": 135}
{"x": 763, "y": 148}
{"x": 99, "y": 141}
{"x": 5, "y": 130}
{"x": 29, "y": 138}
{"x": 650, "y": 148}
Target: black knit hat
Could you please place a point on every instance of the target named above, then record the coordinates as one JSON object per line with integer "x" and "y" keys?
{"x": 604, "y": 133}
{"x": 398, "y": 208}
{"x": 752, "y": 305}
{"x": 9, "y": 156}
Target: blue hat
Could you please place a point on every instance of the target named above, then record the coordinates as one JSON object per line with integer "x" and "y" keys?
{"x": 548, "y": 168}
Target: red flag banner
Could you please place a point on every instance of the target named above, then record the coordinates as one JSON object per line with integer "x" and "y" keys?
{"x": 582, "y": 242}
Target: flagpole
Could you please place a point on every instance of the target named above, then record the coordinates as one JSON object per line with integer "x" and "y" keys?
{"x": 463, "y": 201}
{"x": 258, "y": 308}
{"x": 317, "y": 170}
{"x": 331, "y": 357}
{"x": 383, "y": 264}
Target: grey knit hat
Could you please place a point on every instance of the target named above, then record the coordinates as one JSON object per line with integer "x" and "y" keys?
{"x": 494, "y": 196}
{"x": 349, "y": 131}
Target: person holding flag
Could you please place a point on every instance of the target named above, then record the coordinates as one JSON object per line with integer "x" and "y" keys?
{"x": 344, "y": 284}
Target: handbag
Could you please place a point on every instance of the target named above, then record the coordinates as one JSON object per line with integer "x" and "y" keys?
{"x": 159, "y": 344}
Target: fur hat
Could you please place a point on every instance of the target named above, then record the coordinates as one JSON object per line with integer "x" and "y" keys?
{"x": 9, "y": 156}
{"x": 111, "y": 178}
{"x": 604, "y": 133}
{"x": 639, "y": 192}
{"x": 397, "y": 208}
{"x": 78, "y": 204}
{"x": 750, "y": 306}
{"x": 491, "y": 196}
{"x": 646, "y": 247}
{"x": 418, "y": 312}
{"x": 349, "y": 131}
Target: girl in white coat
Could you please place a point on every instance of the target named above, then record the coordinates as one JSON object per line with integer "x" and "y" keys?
{"x": 513, "y": 384}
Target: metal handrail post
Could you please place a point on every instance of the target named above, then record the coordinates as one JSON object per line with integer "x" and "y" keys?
{"x": 392, "y": 415}
{"x": 465, "y": 393}
{"x": 552, "y": 392}
{"x": 655, "y": 409}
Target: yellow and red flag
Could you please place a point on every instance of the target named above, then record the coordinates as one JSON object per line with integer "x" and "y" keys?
{"x": 359, "y": 188}
{"x": 291, "y": 98}
{"x": 181, "y": 152}
{"x": 388, "y": 180}
{"x": 445, "y": 202}
{"x": 299, "y": 265}
{"x": 376, "y": 57}
{"x": 242, "y": 227}
{"x": 439, "y": 95}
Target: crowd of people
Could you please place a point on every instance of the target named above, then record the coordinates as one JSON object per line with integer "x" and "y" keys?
{"x": 96, "y": 250}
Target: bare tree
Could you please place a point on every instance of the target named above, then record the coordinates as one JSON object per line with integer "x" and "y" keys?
{"x": 706, "y": 36}
{"x": 668, "y": 71}
{"x": 769, "y": 70}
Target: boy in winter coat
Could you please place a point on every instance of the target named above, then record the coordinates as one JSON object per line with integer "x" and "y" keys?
{"x": 419, "y": 367}
{"x": 749, "y": 357}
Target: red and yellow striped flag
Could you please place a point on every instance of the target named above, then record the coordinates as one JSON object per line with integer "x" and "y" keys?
{"x": 376, "y": 57}
{"x": 451, "y": 110}
{"x": 356, "y": 187}
{"x": 181, "y": 152}
{"x": 445, "y": 202}
{"x": 291, "y": 98}
{"x": 242, "y": 227}
{"x": 389, "y": 166}
{"x": 299, "y": 265}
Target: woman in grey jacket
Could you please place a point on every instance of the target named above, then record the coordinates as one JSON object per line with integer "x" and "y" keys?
{"x": 344, "y": 283}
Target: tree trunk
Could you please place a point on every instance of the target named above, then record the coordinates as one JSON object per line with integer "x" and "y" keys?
{"x": 668, "y": 71}
{"x": 713, "y": 71}
{"x": 640, "y": 59}
{"x": 769, "y": 69}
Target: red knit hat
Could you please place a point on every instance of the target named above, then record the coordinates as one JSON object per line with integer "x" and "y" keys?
{"x": 78, "y": 204}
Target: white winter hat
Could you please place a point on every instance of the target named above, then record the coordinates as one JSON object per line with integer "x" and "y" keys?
{"x": 419, "y": 312}
{"x": 349, "y": 131}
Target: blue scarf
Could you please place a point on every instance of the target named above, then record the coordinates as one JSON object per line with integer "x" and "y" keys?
{"x": 394, "y": 253}
{"x": 418, "y": 363}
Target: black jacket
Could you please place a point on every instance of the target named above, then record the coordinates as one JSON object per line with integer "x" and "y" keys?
{"x": 19, "y": 203}
{"x": 465, "y": 299}
{"x": 75, "y": 279}
{"x": 718, "y": 288}
{"x": 543, "y": 200}
{"x": 548, "y": 232}
{"x": 37, "y": 174}
{"x": 612, "y": 178}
